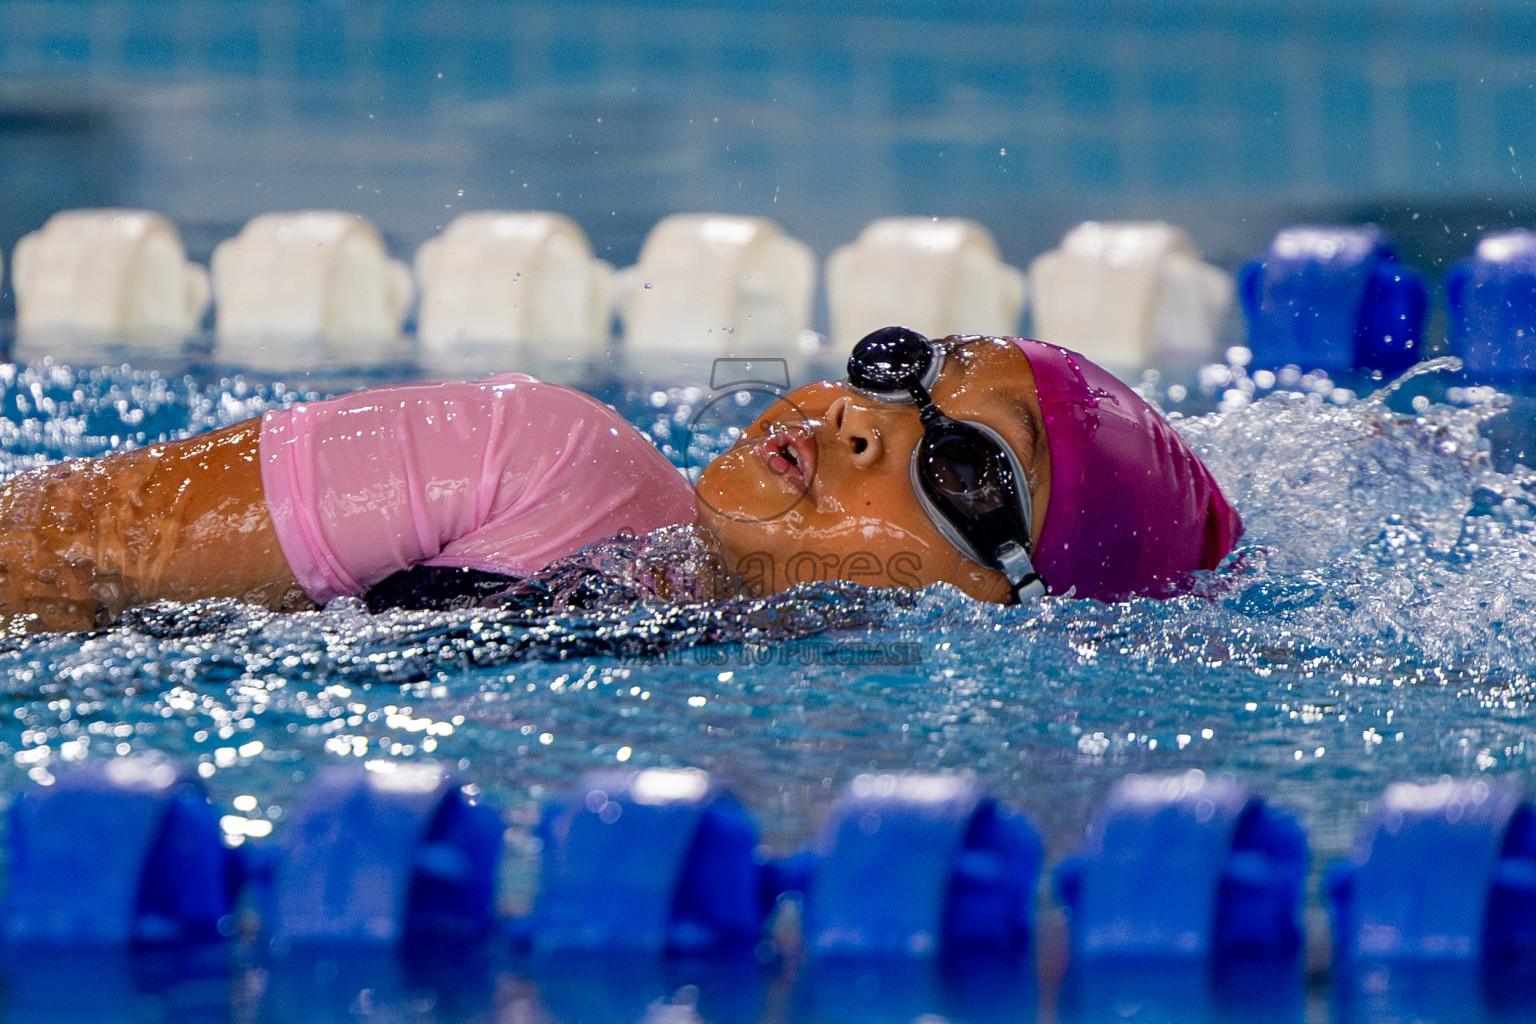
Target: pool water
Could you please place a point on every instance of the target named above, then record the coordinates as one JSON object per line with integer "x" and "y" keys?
{"x": 1378, "y": 624}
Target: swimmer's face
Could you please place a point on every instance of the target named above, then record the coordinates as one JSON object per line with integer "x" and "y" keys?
{"x": 819, "y": 487}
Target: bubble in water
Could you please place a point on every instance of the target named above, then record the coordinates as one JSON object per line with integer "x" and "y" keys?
{"x": 1383, "y": 589}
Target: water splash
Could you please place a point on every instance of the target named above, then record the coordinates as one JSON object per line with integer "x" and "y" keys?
{"x": 1377, "y": 624}
{"x": 1380, "y": 534}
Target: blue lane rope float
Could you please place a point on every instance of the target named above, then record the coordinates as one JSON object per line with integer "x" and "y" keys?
{"x": 1492, "y": 301}
{"x": 116, "y": 853}
{"x": 1441, "y": 873}
{"x": 1191, "y": 869}
{"x": 1185, "y": 867}
{"x": 918, "y": 865}
{"x": 659, "y": 859}
{"x": 1335, "y": 299}
{"x": 383, "y": 855}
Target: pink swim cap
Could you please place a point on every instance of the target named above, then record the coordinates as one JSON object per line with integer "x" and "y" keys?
{"x": 1132, "y": 508}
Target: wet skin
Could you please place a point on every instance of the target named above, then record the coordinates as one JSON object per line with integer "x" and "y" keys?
{"x": 817, "y": 489}
{"x": 83, "y": 540}
{"x": 820, "y": 488}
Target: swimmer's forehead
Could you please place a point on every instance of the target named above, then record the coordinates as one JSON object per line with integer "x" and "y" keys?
{"x": 997, "y": 363}
{"x": 994, "y": 363}
{"x": 990, "y": 380}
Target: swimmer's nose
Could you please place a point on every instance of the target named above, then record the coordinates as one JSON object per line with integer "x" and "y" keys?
{"x": 856, "y": 429}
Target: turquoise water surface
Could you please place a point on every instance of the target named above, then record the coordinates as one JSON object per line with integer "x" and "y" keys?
{"x": 1377, "y": 624}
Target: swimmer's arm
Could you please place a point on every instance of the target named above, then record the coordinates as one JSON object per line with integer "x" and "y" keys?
{"x": 222, "y": 542}
{"x": 83, "y": 540}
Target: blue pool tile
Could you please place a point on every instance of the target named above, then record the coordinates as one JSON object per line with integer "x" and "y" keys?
{"x": 1436, "y": 26}
{"x": 408, "y": 67}
{"x": 1511, "y": 28}
{"x": 65, "y": 49}
{"x": 149, "y": 51}
{"x": 236, "y": 53}
{"x": 1434, "y": 134}
{"x": 1182, "y": 160}
{"x": 1174, "y": 89}
{"x": 320, "y": 48}
{"x": 1514, "y": 116}
{"x": 660, "y": 53}
{"x": 1263, "y": 158}
{"x": 1086, "y": 88}
{"x": 1094, "y": 165}
{"x": 1254, "y": 24}
{"x": 484, "y": 68}
{"x": 316, "y": 101}
{"x": 1253, "y": 93}
{"x": 915, "y": 83}
{"x": 1349, "y": 25}
{"x": 1002, "y": 76}
{"x": 747, "y": 72}
{"x": 573, "y": 59}
{"x": 1348, "y": 108}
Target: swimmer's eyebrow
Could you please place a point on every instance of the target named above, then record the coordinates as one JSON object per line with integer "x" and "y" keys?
{"x": 1029, "y": 418}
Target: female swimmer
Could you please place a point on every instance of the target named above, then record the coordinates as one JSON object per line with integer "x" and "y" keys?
{"x": 1006, "y": 467}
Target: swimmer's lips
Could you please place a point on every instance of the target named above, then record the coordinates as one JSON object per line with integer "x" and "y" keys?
{"x": 790, "y": 453}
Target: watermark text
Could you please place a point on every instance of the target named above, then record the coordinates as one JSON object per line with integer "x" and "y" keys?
{"x": 804, "y": 654}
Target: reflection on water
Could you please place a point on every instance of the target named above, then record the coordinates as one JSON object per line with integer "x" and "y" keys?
{"x": 1377, "y": 625}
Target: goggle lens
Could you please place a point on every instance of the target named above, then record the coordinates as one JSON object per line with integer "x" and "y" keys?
{"x": 884, "y": 361}
{"x": 971, "y": 482}
{"x": 966, "y": 471}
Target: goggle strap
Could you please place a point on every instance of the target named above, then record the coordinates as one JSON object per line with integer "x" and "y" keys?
{"x": 1030, "y": 589}
{"x": 1027, "y": 584}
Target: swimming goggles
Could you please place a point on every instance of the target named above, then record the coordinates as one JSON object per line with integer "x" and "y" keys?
{"x": 968, "y": 479}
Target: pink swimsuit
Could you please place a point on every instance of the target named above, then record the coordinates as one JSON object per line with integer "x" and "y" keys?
{"x": 503, "y": 475}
